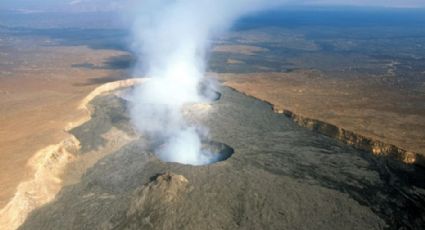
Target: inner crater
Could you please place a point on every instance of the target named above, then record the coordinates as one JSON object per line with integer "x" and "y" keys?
{"x": 208, "y": 92}
{"x": 209, "y": 152}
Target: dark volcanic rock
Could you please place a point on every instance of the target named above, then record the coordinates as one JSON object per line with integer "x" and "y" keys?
{"x": 108, "y": 111}
{"x": 154, "y": 204}
{"x": 280, "y": 176}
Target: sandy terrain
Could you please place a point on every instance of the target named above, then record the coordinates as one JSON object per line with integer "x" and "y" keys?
{"x": 40, "y": 91}
{"x": 369, "y": 107}
{"x": 57, "y": 165}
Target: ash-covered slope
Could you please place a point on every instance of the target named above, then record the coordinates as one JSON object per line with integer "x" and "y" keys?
{"x": 281, "y": 176}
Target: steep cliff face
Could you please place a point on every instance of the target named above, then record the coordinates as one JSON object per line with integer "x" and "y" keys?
{"x": 355, "y": 139}
{"x": 111, "y": 86}
{"x": 49, "y": 164}
{"x": 365, "y": 112}
{"x": 358, "y": 141}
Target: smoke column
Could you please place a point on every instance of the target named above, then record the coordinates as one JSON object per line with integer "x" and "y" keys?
{"x": 171, "y": 40}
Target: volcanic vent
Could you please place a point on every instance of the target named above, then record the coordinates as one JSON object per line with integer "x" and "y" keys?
{"x": 200, "y": 150}
{"x": 208, "y": 153}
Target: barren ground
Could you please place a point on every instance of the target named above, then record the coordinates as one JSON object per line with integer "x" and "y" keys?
{"x": 280, "y": 173}
{"x": 367, "y": 106}
{"x": 40, "y": 89}
{"x": 281, "y": 176}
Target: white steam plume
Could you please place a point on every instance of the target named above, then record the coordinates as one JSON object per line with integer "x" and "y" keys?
{"x": 171, "y": 40}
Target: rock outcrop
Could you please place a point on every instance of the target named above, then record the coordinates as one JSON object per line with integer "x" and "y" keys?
{"x": 358, "y": 141}
{"x": 49, "y": 164}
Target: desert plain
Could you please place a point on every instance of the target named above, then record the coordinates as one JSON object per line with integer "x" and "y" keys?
{"x": 278, "y": 85}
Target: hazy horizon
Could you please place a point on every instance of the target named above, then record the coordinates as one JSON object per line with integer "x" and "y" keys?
{"x": 29, "y": 6}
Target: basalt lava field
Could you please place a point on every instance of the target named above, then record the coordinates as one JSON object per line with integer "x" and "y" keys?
{"x": 280, "y": 175}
